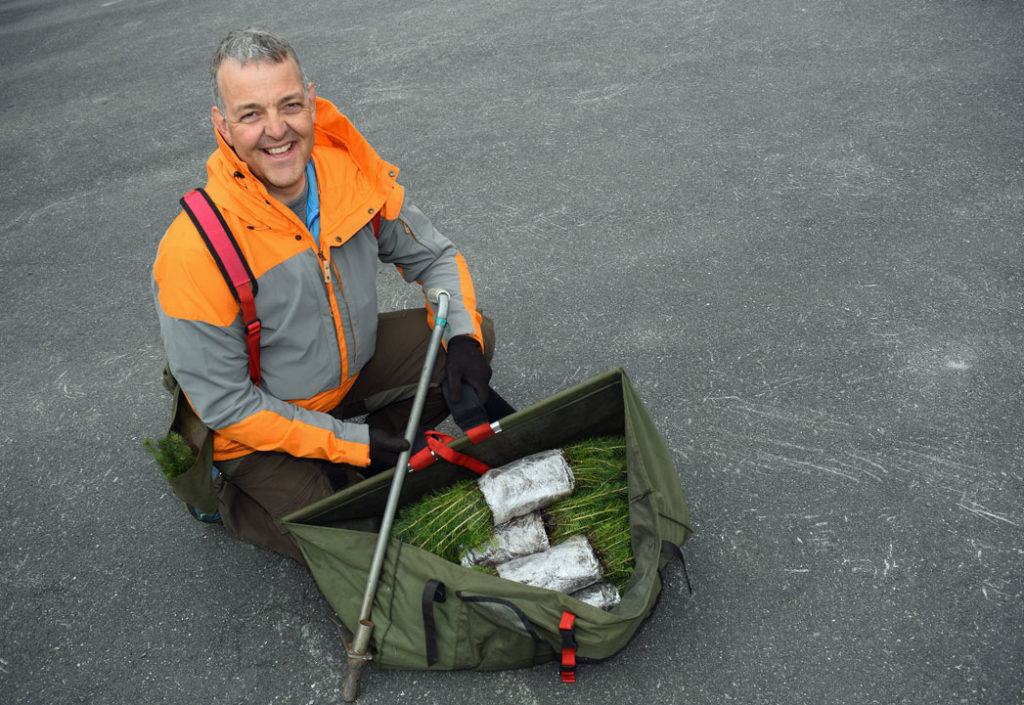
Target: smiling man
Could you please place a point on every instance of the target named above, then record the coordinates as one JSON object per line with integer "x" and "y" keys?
{"x": 313, "y": 209}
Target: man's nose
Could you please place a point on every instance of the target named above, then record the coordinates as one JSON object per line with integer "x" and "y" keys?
{"x": 275, "y": 127}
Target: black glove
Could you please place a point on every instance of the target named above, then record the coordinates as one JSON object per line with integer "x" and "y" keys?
{"x": 385, "y": 448}
{"x": 466, "y": 363}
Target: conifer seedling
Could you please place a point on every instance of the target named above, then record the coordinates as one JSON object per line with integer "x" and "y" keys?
{"x": 172, "y": 453}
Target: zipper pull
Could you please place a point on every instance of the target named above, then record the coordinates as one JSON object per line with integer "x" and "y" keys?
{"x": 326, "y": 267}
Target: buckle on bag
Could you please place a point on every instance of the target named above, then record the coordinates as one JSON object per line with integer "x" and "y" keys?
{"x": 568, "y": 630}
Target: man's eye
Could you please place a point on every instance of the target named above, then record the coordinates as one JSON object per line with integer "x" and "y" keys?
{"x": 293, "y": 107}
{"x": 248, "y": 117}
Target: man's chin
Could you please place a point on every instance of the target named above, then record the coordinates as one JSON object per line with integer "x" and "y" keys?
{"x": 282, "y": 177}
{"x": 284, "y": 187}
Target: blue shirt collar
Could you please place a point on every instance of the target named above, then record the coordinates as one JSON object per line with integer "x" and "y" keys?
{"x": 312, "y": 202}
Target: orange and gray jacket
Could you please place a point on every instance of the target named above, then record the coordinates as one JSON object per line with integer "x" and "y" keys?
{"x": 317, "y": 304}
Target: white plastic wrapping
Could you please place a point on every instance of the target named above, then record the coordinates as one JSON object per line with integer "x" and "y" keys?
{"x": 517, "y": 537}
{"x": 567, "y": 567}
{"x": 603, "y": 595}
{"x": 526, "y": 485}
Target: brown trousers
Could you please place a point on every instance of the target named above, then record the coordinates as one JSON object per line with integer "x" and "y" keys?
{"x": 257, "y": 490}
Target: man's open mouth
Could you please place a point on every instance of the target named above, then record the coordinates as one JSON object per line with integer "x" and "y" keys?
{"x": 278, "y": 151}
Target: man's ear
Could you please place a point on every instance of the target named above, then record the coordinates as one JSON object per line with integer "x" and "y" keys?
{"x": 312, "y": 100}
{"x": 221, "y": 123}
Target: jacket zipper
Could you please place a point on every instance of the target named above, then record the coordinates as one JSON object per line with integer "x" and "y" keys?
{"x": 350, "y": 334}
{"x": 325, "y": 271}
{"x": 351, "y": 324}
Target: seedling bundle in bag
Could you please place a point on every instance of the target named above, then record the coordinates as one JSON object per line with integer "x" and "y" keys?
{"x": 558, "y": 520}
{"x": 517, "y": 537}
{"x": 530, "y": 483}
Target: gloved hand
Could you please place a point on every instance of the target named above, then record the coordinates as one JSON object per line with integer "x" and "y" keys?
{"x": 466, "y": 363}
{"x": 385, "y": 448}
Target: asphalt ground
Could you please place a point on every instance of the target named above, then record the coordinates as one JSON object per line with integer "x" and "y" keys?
{"x": 795, "y": 224}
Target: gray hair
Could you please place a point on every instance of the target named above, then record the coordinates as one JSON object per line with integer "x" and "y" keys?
{"x": 256, "y": 45}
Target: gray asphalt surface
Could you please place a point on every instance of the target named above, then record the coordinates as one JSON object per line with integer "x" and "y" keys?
{"x": 796, "y": 224}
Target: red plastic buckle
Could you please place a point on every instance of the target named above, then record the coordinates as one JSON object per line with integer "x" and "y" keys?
{"x": 252, "y": 344}
{"x": 566, "y": 626}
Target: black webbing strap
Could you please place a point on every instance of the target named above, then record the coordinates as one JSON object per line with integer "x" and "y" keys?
{"x": 671, "y": 549}
{"x": 433, "y": 591}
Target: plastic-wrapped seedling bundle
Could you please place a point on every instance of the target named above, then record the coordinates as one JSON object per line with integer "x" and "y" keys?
{"x": 567, "y": 567}
{"x": 527, "y": 484}
{"x": 516, "y": 537}
{"x": 602, "y": 595}
{"x": 602, "y": 515}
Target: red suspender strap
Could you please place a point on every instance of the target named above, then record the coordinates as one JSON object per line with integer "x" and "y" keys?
{"x": 568, "y": 647}
{"x": 437, "y": 448}
{"x": 226, "y": 253}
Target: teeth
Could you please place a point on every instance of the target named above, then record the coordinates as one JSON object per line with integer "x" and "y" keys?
{"x": 278, "y": 150}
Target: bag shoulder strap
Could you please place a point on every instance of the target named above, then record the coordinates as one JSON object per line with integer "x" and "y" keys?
{"x": 231, "y": 262}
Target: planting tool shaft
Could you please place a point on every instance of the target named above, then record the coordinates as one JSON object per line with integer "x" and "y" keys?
{"x": 358, "y": 652}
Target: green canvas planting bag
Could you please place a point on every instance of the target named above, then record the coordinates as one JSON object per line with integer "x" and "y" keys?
{"x": 195, "y": 487}
{"x": 429, "y": 613}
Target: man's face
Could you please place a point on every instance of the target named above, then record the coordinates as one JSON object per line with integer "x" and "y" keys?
{"x": 268, "y": 119}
